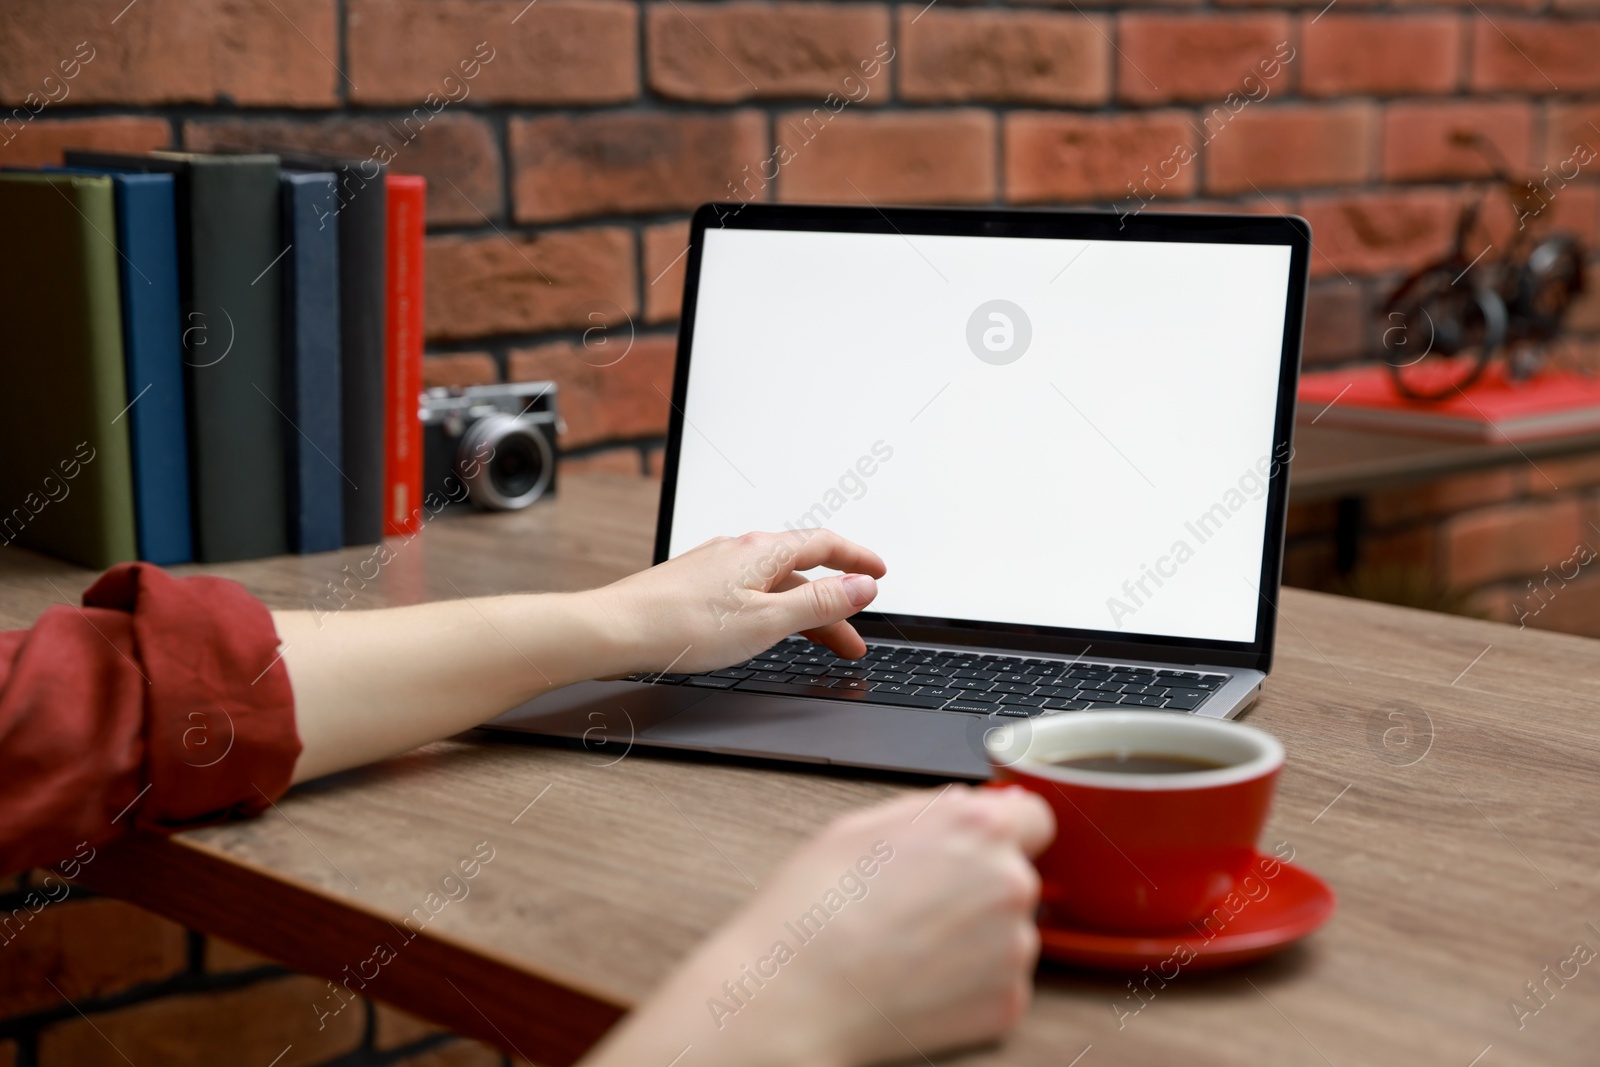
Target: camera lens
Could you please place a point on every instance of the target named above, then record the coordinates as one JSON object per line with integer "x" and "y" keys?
{"x": 505, "y": 462}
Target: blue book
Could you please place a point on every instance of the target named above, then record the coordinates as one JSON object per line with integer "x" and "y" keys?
{"x": 311, "y": 362}
{"x": 152, "y": 328}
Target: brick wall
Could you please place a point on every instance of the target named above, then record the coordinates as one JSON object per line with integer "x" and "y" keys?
{"x": 566, "y": 141}
{"x": 91, "y": 982}
{"x": 1518, "y": 544}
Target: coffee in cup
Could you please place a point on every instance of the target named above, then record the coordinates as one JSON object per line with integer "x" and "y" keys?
{"x": 1157, "y": 814}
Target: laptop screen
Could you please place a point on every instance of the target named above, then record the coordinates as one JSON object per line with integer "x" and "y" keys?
{"x": 1074, "y": 434}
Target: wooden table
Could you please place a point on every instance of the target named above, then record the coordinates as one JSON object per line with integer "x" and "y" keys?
{"x": 1443, "y": 775}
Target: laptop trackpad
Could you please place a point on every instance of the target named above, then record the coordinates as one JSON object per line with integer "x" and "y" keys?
{"x": 850, "y": 734}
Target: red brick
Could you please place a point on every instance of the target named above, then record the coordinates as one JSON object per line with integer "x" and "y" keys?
{"x": 455, "y": 152}
{"x": 1443, "y": 496}
{"x": 627, "y": 461}
{"x": 479, "y": 286}
{"x": 1313, "y": 5}
{"x": 1374, "y": 233}
{"x": 393, "y": 1028}
{"x": 1338, "y": 323}
{"x": 1030, "y": 57}
{"x": 1250, "y": 205}
{"x": 569, "y": 166}
{"x": 551, "y": 52}
{"x": 249, "y": 1025}
{"x": 224, "y": 957}
{"x": 1552, "y": 207}
{"x": 250, "y": 54}
{"x": 1559, "y": 474}
{"x": 1164, "y": 58}
{"x": 1494, "y": 9}
{"x": 457, "y": 1053}
{"x": 89, "y": 948}
{"x": 620, "y": 402}
{"x": 1573, "y": 209}
{"x": 1572, "y": 134}
{"x": 1535, "y": 55}
{"x": 1294, "y": 146}
{"x": 1053, "y": 157}
{"x": 1382, "y": 55}
{"x": 945, "y": 157}
{"x": 722, "y": 53}
{"x": 459, "y": 368}
{"x": 40, "y": 141}
{"x": 1126, "y": 3}
{"x": 1572, "y": 607}
{"x": 665, "y": 258}
{"x": 656, "y": 461}
{"x": 1407, "y": 550}
{"x": 1583, "y": 316}
{"x": 1418, "y": 146}
{"x": 1508, "y": 540}
{"x": 1582, "y": 7}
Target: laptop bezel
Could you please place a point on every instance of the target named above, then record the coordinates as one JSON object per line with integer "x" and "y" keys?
{"x": 1062, "y": 225}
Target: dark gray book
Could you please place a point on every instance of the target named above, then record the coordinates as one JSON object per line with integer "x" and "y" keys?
{"x": 228, "y": 221}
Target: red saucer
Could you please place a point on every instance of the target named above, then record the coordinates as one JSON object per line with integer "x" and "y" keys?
{"x": 1297, "y": 902}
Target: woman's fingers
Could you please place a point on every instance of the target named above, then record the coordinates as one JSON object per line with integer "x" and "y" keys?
{"x": 1027, "y": 818}
{"x": 840, "y": 636}
{"x": 804, "y": 549}
{"x": 821, "y": 604}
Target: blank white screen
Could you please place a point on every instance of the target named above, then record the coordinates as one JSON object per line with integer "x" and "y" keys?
{"x": 1047, "y": 491}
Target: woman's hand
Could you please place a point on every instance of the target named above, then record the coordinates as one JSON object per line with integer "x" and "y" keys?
{"x": 934, "y": 949}
{"x": 736, "y": 596}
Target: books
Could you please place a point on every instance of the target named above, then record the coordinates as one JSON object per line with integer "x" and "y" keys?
{"x": 146, "y": 235}
{"x": 402, "y": 427}
{"x": 66, "y": 484}
{"x": 228, "y": 241}
{"x": 259, "y": 405}
{"x": 1495, "y": 408}
{"x": 311, "y": 364}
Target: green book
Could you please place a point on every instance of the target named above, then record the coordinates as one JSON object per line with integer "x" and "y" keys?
{"x": 66, "y": 477}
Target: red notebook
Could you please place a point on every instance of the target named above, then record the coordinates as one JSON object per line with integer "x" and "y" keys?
{"x": 1495, "y": 408}
{"x": 402, "y": 511}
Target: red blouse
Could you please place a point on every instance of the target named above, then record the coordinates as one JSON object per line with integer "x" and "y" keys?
{"x": 162, "y": 703}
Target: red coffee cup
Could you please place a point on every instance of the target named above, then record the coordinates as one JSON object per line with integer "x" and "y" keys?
{"x": 1141, "y": 852}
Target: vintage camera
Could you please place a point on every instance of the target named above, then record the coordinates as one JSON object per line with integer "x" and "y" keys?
{"x": 491, "y": 445}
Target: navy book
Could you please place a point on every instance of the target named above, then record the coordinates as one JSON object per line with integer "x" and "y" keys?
{"x": 311, "y": 362}
{"x": 147, "y": 236}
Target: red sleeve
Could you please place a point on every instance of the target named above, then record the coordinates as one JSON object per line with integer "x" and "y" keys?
{"x": 161, "y": 703}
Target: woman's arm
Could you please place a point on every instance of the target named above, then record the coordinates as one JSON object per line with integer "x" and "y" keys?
{"x": 370, "y": 684}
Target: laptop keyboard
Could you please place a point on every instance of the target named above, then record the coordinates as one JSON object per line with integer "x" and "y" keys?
{"x": 936, "y": 680}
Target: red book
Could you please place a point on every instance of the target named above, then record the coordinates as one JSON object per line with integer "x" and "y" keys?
{"x": 402, "y": 511}
{"x": 1494, "y": 408}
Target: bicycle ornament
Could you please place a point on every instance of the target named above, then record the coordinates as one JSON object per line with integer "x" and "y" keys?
{"x": 1444, "y": 324}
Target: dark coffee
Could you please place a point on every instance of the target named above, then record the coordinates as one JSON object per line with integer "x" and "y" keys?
{"x": 1139, "y": 763}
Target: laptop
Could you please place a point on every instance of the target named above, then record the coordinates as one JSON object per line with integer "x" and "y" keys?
{"x": 1068, "y": 435}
